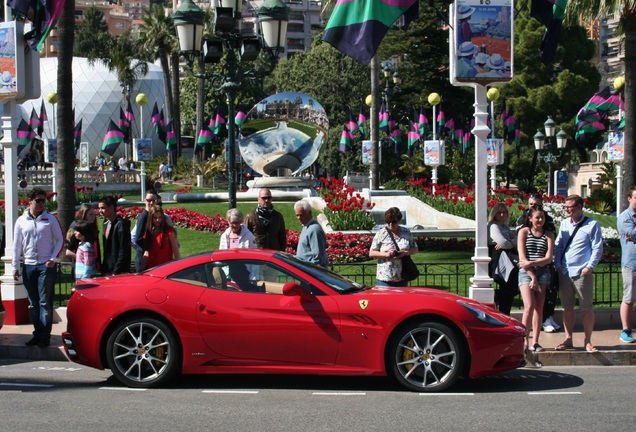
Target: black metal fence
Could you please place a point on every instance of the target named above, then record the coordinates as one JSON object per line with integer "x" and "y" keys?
{"x": 452, "y": 277}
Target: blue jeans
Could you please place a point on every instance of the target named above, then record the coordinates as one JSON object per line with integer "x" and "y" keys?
{"x": 39, "y": 281}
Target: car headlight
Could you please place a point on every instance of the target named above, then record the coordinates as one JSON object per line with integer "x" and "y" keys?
{"x": 482, "y": 315}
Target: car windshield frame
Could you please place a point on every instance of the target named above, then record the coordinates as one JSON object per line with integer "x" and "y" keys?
{"x": 333, "y": 280}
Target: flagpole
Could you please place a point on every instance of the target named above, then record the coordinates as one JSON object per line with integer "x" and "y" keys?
{"x": 141, "y": 100}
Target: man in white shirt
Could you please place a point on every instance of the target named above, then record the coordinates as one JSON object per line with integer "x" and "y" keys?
{"x": 38, "y": 238}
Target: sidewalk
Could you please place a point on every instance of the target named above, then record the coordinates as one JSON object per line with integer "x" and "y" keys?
{"x": 611, "y": 352}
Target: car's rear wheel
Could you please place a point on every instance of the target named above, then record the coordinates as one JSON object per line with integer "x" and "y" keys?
{"x": 426, "y": 356}
{"x": 143, "y": 352}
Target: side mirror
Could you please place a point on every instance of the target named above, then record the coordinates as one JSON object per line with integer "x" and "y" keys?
{"x": 293, "y": 289}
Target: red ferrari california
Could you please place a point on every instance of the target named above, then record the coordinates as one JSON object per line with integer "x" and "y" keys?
{"x": 256, "y": 311}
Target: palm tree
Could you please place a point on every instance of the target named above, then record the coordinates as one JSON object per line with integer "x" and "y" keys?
{"x": 65, "y": 152}
{"x": 627, "y": 25}
{"x": 158, "y": 40}
{"x": 123, "y": 61}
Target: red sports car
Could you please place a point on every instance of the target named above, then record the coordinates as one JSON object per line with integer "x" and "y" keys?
{"x": 258, "y": 311}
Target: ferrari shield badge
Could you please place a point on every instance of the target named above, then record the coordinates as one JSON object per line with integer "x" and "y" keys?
{"x": 363, "y": 303}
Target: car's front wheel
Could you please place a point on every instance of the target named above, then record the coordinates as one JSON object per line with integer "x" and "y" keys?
{"x": 426, "y": 356}
{"x": 143, "y": 352}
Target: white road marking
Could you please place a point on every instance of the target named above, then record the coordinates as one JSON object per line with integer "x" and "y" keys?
{"x": 27, "y": 385}
{"x": 338, "y": 394}
{"x": 230, "y": 391}
{"x": 541, "y": 393}
{"x": 123, "y": 388}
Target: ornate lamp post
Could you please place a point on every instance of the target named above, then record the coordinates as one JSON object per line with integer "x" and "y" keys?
{"x": 189, "y": 22}
{"x": 555, "y": 145}
{"x": 391, "y": 86}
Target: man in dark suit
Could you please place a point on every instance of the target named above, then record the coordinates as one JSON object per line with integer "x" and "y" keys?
{"x": 116, "y": 238}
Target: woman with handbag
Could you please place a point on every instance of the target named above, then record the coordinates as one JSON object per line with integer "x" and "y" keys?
{"x": 392, "y": 246}
{"x": 502, "y": 241}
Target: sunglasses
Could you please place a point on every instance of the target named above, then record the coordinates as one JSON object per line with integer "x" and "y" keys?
{"x": 266, "y": 197}
{"x": 40, "y": 200}
{"x": 392, "y": 222}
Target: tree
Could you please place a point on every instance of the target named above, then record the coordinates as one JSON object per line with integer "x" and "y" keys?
{"x": 537, "y": 90}
{"x": 627, "y": 25}
{"x": 157, "y": 40}
{"x": 65, "y": 181}
{"x": 92, "y": 39}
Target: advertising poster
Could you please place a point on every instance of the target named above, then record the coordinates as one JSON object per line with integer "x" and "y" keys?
{"x": 85, "y": 162}
{"x": 434, "y": 153}
{"x": 367, "y": 152}
{"x": 8, "y": 63}
{"x": 494, "y": 151}
{"x": 482, "y": 41}
{"x": 50, "y": 150}
{"x": 143, "y": 149}
{"x": 615, "y": 146}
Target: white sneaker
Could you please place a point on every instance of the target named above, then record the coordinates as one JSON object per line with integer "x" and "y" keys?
{"x": 548, "y": 328}
{"x": 553, "y": 323}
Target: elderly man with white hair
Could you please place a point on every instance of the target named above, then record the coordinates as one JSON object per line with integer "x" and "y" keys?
{"x": 312, "y": 242}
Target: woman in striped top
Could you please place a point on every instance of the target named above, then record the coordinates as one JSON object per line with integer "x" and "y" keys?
{"x": 536, "y": 249}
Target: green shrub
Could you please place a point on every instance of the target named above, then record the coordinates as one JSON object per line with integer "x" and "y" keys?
{"x": 603, "y": 200}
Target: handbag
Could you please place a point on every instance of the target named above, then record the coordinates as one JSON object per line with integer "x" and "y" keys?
{"x": 409, "y": 269}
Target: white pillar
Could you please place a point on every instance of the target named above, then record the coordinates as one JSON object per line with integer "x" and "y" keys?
{"x": 480, "y": 288}
{"x": 14, "y": 295}
{"x": 619, "y": 188}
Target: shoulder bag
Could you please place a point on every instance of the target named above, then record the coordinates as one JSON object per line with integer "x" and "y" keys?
{"x": 409, "y": 269}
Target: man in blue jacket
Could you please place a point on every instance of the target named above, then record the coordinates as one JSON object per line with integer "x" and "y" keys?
{"x": 312, "y": 242}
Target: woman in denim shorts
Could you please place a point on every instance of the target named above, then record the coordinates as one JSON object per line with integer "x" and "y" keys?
{"x": 536, "y": 249}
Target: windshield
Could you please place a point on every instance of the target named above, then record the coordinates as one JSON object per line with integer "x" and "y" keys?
{"x": 329, "y": 278}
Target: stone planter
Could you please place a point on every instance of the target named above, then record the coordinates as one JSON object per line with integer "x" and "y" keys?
{"x": 199, "y": 180}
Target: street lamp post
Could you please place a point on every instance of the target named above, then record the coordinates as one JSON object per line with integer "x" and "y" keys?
{"x": 434, "y": 99}
{"x": 554, "y": 150}
{"x": 142, "y": 100}
{"x": 189, "y": 22}
{"x": 391, "y": 85}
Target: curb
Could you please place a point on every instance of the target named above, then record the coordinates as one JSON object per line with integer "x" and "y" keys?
{"x": 583, "y": 358}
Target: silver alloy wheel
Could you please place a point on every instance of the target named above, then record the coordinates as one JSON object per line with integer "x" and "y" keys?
{"x": 142, "y": 352}
{"x": 427, "y": 357}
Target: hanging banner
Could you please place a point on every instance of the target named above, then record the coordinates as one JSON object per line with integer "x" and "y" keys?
{"x": 482, "y": 43}
{"x": 615, "y": 146}
{"x": 142, "y": 149}
{"x": 367, "y": 152}
{"x": 50, "y": 150}
{"x": 84, "y": 160}
{"x": 495, "y": 151}
{"x": 434, "y": 152}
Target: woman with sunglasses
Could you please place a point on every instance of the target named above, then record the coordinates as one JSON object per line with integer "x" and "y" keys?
{"x": 389, "y": 269}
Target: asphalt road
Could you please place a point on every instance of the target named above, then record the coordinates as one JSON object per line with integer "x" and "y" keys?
{"x": 59, "y": 396}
